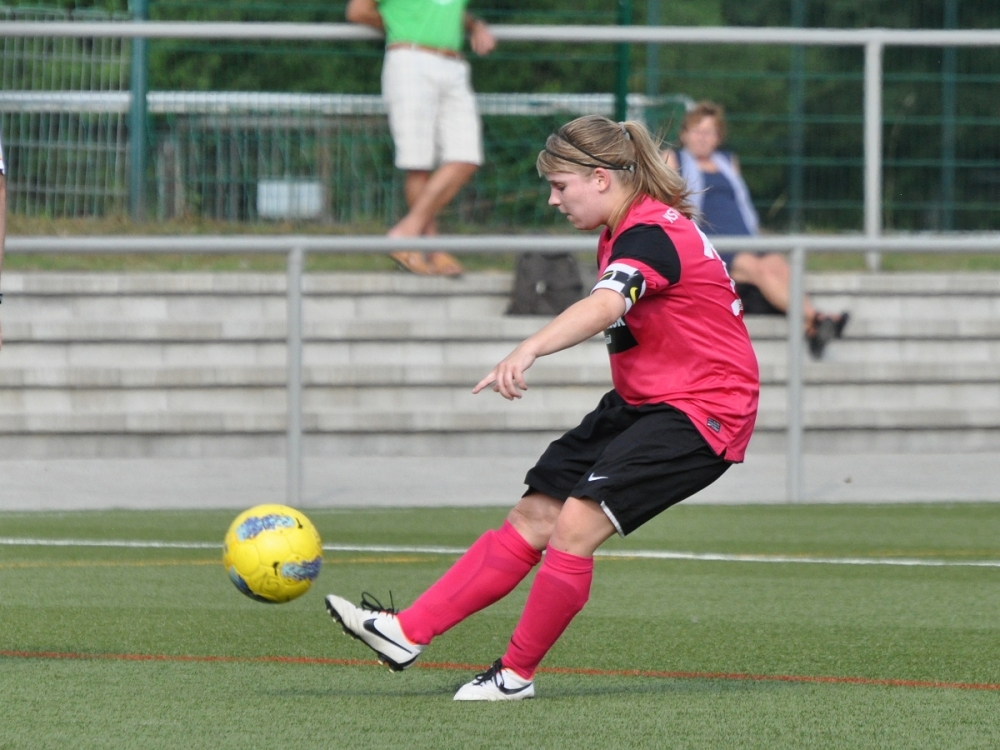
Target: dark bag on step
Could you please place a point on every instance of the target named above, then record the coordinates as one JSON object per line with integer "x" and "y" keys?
{"x": 545, "y": 284}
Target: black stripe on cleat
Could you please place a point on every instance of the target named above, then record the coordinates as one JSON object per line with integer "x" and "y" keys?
{"x": 393, "y": 666}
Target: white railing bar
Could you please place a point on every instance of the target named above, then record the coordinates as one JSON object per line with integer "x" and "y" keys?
{"x": 188, "y": 30}
{"x": 269, "y": 102}
{"x": 748, "y": 35}
{"x": 511, "y": 33}
{"x": 971, "y": 242}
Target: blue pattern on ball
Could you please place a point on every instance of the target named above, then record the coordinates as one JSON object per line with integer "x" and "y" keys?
{"x": 241, "y": 585}
{"x": 304, "y": 571}
{"x": 255, "y": 525}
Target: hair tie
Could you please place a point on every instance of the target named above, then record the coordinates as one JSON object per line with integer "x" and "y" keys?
{"x": 625, "y": 131}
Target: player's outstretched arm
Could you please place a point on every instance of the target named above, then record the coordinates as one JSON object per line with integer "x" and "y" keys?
{"x": 577, "y": 323}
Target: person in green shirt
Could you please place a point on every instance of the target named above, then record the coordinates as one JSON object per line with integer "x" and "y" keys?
{"x": 432, "y": 109}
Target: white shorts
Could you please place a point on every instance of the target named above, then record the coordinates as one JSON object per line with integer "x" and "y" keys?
{"x": 432, "y": 109}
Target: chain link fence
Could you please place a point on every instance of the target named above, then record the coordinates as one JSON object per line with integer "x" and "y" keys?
{"x": 329, "y": 157}
{"x": 63, "y": 159}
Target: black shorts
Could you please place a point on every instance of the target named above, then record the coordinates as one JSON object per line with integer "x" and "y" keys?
{"x": 636, "y": 461}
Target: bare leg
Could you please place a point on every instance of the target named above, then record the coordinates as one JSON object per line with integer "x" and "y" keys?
{"x": 582, "y": 528}
{"x": 770, "y": 274}
{"x": 438, "y": 262}
{"x": 426, "y": 194}
{"x": 412, "y": 260}
{"x": 577, "y": 526}
{"x": 535, "y": 518}
{"x": 430, "y": 197}
{"x": 413, "y": 187}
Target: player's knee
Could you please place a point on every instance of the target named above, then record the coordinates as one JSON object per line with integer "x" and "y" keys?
{"x": 535, "y": 517}
{"x": 582, "y": 527}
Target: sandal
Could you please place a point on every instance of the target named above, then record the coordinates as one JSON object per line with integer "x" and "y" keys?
{"x": 444, "y": 264}
{"x": 412, "y": 261}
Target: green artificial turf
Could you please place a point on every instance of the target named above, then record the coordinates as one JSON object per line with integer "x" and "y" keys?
{"x": 213, "y": 682}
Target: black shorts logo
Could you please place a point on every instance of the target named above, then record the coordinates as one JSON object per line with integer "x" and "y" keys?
{"x": 619, "y": 338}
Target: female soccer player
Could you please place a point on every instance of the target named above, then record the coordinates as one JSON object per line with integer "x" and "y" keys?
{"x": 681, "y": 412}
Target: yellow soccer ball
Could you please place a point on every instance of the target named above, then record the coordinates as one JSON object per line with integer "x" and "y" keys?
{"x": 272, "y": 553}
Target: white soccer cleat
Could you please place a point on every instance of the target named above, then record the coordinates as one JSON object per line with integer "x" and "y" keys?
{"x": 376, "y": 627}
{"x": 496, "y": 684}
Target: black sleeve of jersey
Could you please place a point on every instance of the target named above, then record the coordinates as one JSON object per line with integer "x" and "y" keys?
{"x": 649, "y": 244}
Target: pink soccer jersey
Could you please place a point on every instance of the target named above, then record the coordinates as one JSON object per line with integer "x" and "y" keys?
{"x": 682, "y": 340}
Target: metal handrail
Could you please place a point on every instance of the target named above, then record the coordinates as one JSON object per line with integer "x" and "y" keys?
{"x": 915, "y": 242}
{"x": 228, "y": 102}
{"x": 512, "y": 33}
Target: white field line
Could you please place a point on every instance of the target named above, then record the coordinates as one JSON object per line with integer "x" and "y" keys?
{"x": 611, "y": 554}
{"x": 137, "y": 544}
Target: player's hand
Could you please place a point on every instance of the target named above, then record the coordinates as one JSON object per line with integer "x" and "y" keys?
{"x": 507, "y": 377}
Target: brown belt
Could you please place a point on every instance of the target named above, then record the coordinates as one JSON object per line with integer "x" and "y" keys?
{"x": 433, "y": 50}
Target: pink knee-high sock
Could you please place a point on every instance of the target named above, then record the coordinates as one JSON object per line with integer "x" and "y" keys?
{"x": 487, "y": 572}
{"x": 560, "y": 589}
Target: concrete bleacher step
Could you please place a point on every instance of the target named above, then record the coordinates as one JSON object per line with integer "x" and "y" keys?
{"x": 544, "y": 373}
{"x": 401, "y": 400}
{"x": 340, "y": 297}
{"x": 453, "y": 343}
{"x": 121, "y": 364}
{"x": 271, "y": 420}
{"x": 501, "y": 329}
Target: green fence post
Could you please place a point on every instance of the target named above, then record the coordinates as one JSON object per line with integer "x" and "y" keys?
{"x": 622, "y": 63}
{"x": 137, "y": 117}
{"x": 949, "y": 68}
{"x": 797, "y": 134}
{"x": 652, "y": 51}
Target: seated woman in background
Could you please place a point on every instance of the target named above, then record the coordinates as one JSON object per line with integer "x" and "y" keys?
{"x": 723, "y": 200}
